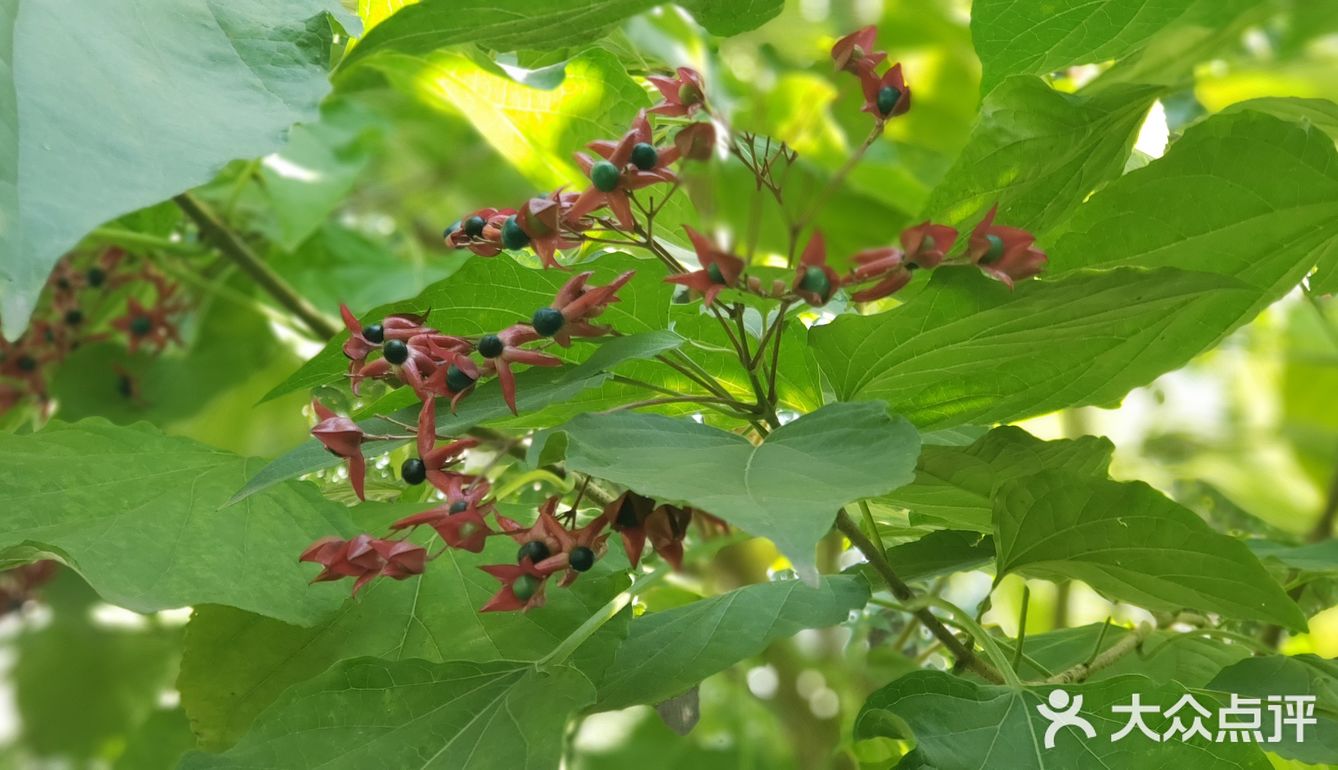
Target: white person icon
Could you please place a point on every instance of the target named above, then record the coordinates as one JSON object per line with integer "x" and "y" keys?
{"x": 1063, "y": 712}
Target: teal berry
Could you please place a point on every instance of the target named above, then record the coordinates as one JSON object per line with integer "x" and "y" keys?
{"x": 450, "y": 230}
{"x": 490, "y": 346}
{"x": 535, "y": 550}
{"x": 887, "y": 100}
{"x": 513, "y": 237}
{"x": 547, "y": 321}
{"x": 815, "y": 280}
{"x": 141, "y": 325}
{"x": 581, "y": 558}
{"x": 459, "y": 506}
{"x": 413, "y": 471}
{"x": 605, "y": 176}
{"x": 525, "y": 587}
{"x": 713, "y": 270}
{"x": 996, "y": 248}
{"x": 457, "y": 380}
{"x": 396, "y": 352}
{"x": 645, "y": 156}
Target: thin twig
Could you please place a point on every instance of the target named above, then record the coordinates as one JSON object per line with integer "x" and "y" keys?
{"x": 1116, "y": 651}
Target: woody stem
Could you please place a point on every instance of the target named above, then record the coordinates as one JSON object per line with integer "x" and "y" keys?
{"x": 231, "y": 245}
{"x": 1116, "y": 651}
{"x": 965, "y": 657}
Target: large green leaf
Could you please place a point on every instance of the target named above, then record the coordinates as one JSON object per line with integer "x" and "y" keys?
{"x": 957, "y": 723}
{"x": 1039, "y": 38}
{"x": 967, "y": 350}
{"x": 955, "y": 486}
{"x": 1038, "y": 153}
{"x": 941, "y": 552}
{"x": 508, "y": 25}
{"x": 787, "y": 489}
{"x": 237, "y": 663}
{"x": 140, "y": 516}
{"x": 535, "y": 130}
{"x": 1133, "y": 543}
{"x": 412, "y": 713}
{"x": 1260, "y": 677}
{"x": 1265, "y": 195}
{"x": 535, "y": 389}
{"x": 104, "y": 111}
{"x": 487, "y": 295}
{"x": 668, "y": 652}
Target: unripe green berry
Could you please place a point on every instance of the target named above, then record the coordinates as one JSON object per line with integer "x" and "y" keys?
{"x": 525, "y": 587}
{"x": 605, "y": 175}
{"x": 513, "y": 237}
{"x": 887, "y": 100}
{"x": 459, "y": 506}
{"x": 816, "y": 281}
{"x": 996, "y": 249}
{"x": 713, "y": 270}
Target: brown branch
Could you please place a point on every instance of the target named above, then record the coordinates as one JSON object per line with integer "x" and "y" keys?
{"x": 215, "y": 231}
{"x": 966, "y": 658}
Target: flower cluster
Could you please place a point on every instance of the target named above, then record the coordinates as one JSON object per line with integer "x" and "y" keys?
{"x": 1006, "y": 254}
{"x": 886, "y": 95}
{"x": 616, "y": 170}
{"x": 77, "y": 293}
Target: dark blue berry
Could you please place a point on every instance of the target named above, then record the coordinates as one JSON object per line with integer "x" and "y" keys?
{"x": 547, "y": 321}
{"x": 457, "y": 380}
{"x": 536, "y": 550}
{"x": 413, "y": 471}
{"x": 490, "y": 346}
{"x": 581, "y": 558}
{"x": 375, "y": 334}
{"x": 645, "y": 156}
{"x": 887, "y": 100}
{"x": 474, "y": 226}
{"x": 396, "y": 352}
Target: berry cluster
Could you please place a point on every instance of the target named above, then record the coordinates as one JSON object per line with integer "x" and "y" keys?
{"x": 78, "y": 290}
{"x": 564, "y": 220}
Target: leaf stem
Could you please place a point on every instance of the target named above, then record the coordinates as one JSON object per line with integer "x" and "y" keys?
{"x": 603, "y": 615}
{"x": 234, "y": 248}
{"x": 1021, "y": 626}
{"x": 965, "y": 657}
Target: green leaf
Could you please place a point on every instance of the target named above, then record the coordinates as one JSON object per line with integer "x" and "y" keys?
{"x": 967, "y": 350}
{"x": 787, "y": 489}
{"x": 1260, "y": 677}
{"x": 1038, "y": 38}
{"x": 412, "y": 713}
{"x": 958, "y": 723}
{"x": 942, "y": 552}
{"x": 535, "y": 389}
{"x": 162, "y": 98}
{"x": 236, "y": 663}
{"x": 1131, "y": 542}
{"x": 955, "y": 486}
{"x": 1266, "y": 206}
{"x": 140, "y": 516}
{"x": 535, "y": 130}
{"x": 490, "y": 294}
{"x": 312, "y": 174}
{"x": 508, "y": 25}
{"x": 158, "y": 743}
{"x": 1317, "y": 558}
{"x": 1039, "y": 153}
{"x": 668, "y": 652}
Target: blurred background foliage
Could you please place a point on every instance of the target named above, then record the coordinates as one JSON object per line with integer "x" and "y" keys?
{"x": 352, "y": 209}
